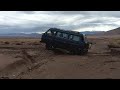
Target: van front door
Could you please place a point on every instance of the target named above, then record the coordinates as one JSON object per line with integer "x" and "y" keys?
{"x": 49, "y": 37}
{"x": 74, "y": 42}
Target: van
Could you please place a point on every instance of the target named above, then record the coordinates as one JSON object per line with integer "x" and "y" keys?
{"x": 72, "y": 41}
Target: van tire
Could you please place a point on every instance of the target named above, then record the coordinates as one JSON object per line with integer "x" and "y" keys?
{"x": 84, "y": 52}
{"x": 48, "y": 46}
{"x": 73, "y": 52}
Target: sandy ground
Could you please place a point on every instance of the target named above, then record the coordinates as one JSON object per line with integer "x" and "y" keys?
{"x": 32, "y": 61}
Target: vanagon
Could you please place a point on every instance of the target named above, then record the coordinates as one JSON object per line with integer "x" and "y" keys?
{"x": 72, "y": 41}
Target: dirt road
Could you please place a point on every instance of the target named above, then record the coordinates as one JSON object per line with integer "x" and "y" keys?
{"x": 38, "y": 63}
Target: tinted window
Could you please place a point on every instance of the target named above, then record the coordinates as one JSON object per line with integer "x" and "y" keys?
{"x": 49, "y": 33}
{"x": 76, "y": 38}
{"x": 54, "y": 32}
{"x": 70, "y": 37}
{"x": 59, "y": 34}
{"x": 84, "y": 37}
{"x": 65, "y": 35}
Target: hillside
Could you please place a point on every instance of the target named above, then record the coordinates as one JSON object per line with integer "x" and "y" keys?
{"x": 33, "y": 35}
{"x": 93, "y": 32}
{"x": 113, "y": 32}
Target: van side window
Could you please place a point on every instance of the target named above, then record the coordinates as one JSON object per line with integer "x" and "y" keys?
{"x": 65, "y": 35}
{"x": 59, "y": 34}
{"x": 76, "y": 38}
{"x": 70, "y": 37}
{"x": 55, "y": 32}
{"x": 49, "y": 33}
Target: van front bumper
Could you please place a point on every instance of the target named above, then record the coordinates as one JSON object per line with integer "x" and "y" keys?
{"x": 41, "y": 41}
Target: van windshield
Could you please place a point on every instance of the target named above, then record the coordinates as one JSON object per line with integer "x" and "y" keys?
{"x": 75, "y": 38}
{"x": 85, "y": 38}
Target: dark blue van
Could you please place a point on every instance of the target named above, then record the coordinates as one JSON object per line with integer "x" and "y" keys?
{"x": 72, "y": 41}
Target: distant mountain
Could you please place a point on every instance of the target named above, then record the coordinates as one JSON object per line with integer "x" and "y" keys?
{"x": 35, "y": 35}
{"x": 93, "y": 32}
{"x": 113, "y": 32}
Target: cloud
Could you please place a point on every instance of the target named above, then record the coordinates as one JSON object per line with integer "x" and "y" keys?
{"x": 28, "y": 12}
{"x": 40, "y": 21}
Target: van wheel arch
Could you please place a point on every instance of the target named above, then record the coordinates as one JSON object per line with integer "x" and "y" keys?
{"x": 48, "y": 46}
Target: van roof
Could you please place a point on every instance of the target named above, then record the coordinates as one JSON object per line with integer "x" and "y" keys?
{"x": 66, "y": 31}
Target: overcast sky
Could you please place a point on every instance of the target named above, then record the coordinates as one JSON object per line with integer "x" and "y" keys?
{"x": 40, "y": 21}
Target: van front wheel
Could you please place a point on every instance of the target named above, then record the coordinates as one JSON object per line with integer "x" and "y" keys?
{"x": 48, "y": 46}
{"x": 84, "y": 52}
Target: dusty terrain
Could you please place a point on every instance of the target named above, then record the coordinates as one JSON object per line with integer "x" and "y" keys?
{"x": 28, "y": 59}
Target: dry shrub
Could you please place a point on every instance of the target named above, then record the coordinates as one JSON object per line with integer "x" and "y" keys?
{"x": 29, "y": 43}
{"x": 6, "y": 42}
{"x": 22, "y": 42}
{"x": 36, "y": 43}
{"x": 18, "y": 43}
{"x": 115, "y": 51}
{"x": 114, "y": 44}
